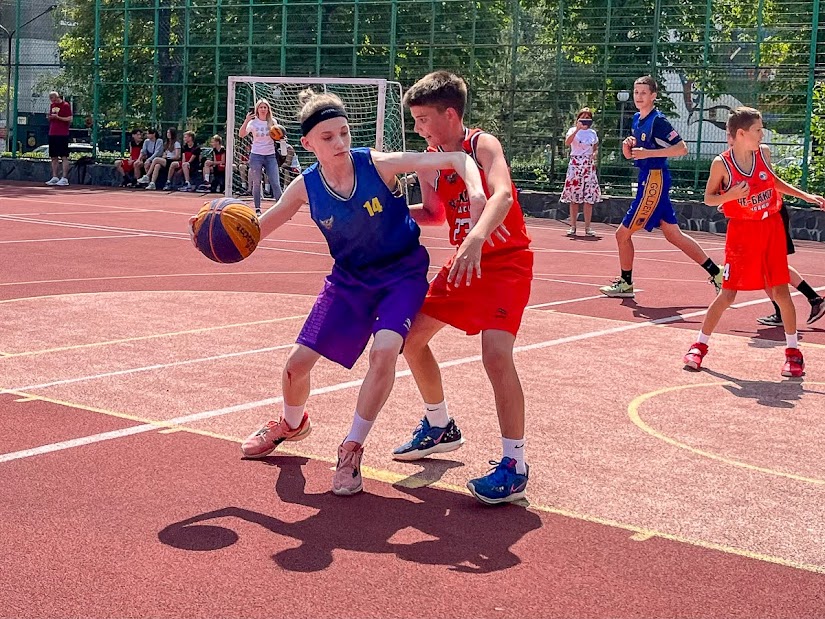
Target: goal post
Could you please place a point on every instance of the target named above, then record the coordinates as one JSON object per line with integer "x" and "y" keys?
{"x": 374, "y": 108}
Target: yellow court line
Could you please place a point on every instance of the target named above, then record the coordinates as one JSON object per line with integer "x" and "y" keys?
{"x": 389, "y": 477}
{"x": 153, "y": 336}
{"x": 633, "y": 413}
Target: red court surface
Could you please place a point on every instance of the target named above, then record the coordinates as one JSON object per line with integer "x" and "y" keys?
{"x": 131, "y": 367}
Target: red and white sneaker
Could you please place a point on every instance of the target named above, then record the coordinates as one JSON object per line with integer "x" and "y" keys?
{"x": 266, "y": 440}
{"x": 347, "y": 478}
{"x": 794, "y": 363}
{"x": 693, "y": 358}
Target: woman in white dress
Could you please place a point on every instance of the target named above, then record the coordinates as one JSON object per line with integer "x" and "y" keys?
{"x": 582, "y": 185}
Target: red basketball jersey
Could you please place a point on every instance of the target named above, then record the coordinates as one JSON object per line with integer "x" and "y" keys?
{"x": 762, "y": 200}
{"x": 451, "y": 189}
{"x": 134, "y": 151}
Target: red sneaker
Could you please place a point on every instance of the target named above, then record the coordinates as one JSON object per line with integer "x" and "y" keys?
{"x": 693, "y": 358}
{"x": 264, "y": 441}
{"x": 794, "y": 363}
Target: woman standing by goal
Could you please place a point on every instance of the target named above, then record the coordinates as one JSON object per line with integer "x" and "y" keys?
{"x": 259, "y": 123}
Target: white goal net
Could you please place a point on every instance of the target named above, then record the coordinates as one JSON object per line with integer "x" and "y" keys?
{"x": 374, "y": 108}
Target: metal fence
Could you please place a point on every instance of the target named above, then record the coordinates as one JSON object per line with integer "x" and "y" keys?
{"x": 530, "y": 65}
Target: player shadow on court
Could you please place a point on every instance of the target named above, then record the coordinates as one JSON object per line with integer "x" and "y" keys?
{"x": 774, "y": 337}
{"x": 434, "y": 527}
{"x": 766, "y": 393}
{"x": 657, "y": 313}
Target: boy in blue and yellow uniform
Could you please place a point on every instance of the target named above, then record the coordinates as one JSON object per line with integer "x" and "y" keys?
{"x": 654, "y": 140}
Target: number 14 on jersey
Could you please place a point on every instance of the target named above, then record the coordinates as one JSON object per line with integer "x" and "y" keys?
{"x": 373, "y": 206}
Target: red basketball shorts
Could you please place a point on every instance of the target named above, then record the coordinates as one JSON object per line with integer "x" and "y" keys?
{"x": 756, "y": 254}
{"x": 496, "y": 301}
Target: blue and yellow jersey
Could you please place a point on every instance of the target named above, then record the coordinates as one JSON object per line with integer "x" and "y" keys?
{"x": 652, "y": 132}
{"x": 370, "y": 228}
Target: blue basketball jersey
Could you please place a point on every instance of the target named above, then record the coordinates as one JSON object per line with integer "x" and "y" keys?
{"x": 653, "y": 132}
{"x": 372, "y": 227}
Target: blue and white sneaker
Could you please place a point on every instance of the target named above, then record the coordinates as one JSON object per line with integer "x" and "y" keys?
{"x": 502, "y": 485}
{"x": 427, "y": 439}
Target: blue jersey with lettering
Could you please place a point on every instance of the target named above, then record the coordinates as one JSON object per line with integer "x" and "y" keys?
{"x": 369, "y": 229}
{"x": 653, "y": 132}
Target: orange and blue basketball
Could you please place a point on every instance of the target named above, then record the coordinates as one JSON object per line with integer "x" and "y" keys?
{"x": 226, "y": 230}
{"x": 276, "y": 132}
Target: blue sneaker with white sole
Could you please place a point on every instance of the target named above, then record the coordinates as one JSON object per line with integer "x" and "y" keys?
{"x": 502, "y": 485}
{"x": 427, "y": 440}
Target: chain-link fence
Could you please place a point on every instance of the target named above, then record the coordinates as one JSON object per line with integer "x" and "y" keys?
{"x": 530, "y": 65}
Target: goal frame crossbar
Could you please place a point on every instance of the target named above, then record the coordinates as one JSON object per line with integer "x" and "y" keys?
{"x": 231, "y": 128}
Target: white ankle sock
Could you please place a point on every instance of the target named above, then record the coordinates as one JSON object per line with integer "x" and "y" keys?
{"x": 294, "y": 414}
{"x": 792, "y": 339}
{"x": 437, "y": 414}
{"x": 515, "y": 449}
{"x": 359, "y": 430}
{"x": 703, "y": 339}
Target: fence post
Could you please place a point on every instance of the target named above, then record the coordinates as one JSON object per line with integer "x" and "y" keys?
{"x": 393, "y": 39}
{"x": 185, "y": 97}
{"x": 806, "y": 148}
{"x": 705, "y": 52}
{"x": 217, "y": 96}
{"x": 654, "y": 52}
{"x": 513, "y": 74}
{"x": 13, "y": 118}
{"x": 96, "y": 91}
{"x": 124, "y": 88}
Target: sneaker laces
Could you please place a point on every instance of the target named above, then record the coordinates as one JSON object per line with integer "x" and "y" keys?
{"x": 269, "y": 425}
{"x": 498, "y": 472}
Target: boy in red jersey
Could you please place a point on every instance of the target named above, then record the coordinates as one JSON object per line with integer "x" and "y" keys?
{"x": 124, "y": 168}
{"x": 742, "y": 181}
{"x": 483, "y": 288}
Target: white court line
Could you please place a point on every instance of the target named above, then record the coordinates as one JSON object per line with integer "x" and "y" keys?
{"x": 143, "y": 338}
{"x": 216, "y": 273}
{"x": 180, "y": 236}
{"x": 552, "y": 303}
{"x": 148, "y": 368}
{"x": 185, "y": 419}
{"x": 74, "y": 238}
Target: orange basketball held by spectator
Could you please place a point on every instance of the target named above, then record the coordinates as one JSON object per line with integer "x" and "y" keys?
{"x": 226, "y": 230}
{"x": 276, "y": 132}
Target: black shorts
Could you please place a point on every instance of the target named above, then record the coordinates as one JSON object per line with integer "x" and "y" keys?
{"x": 58, "y": 146}
{"x": 786, "y": 221}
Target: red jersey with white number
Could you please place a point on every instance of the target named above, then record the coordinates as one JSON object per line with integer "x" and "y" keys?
{"x": 763, "y": 200}
{"x": 451, "y": 189}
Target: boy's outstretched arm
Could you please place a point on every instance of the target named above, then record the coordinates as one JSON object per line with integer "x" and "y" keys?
{"x": 790, "y": 190}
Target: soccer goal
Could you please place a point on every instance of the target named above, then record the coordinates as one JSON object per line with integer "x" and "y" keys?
{"x": 374, "y": 108}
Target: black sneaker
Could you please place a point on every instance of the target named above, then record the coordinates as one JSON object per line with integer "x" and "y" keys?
{"x": 817, "y": 310}
{"x": 428, "y": 440}
{"x": 774, "y": 320}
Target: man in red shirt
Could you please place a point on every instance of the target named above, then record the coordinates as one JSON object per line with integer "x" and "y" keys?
{"x": 60, "y": 118}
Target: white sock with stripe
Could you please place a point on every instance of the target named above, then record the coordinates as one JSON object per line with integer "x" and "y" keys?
{"x": 514, "y": 448}
{"x": 437, "y": 414}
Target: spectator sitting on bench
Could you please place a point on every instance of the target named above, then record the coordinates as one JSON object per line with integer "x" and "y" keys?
{"x": 190, "y": 163}
{"x": 171, "y": 152}
{"x": 124, "y": 168}
{"x": 217, "y": 166}
{"x": 152, "y": 149}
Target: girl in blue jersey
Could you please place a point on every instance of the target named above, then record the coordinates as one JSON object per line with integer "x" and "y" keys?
{"x": 377, "y": 283}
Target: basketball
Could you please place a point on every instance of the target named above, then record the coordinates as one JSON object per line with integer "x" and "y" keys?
{"x": 226, "y": 230}
{"x": 276, "y": 132}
